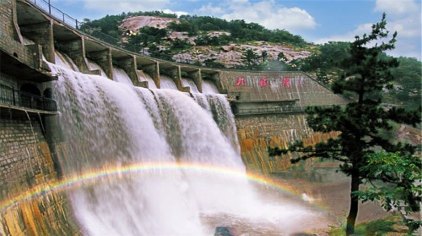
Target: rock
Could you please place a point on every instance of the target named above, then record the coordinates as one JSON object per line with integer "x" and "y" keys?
{"x": 137, "y": 22}
{"x": 223, "y": 231}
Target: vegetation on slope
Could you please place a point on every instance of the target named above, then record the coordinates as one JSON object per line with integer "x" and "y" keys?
{"x": 325, "y": 61}
{"x": 205, "y": 33}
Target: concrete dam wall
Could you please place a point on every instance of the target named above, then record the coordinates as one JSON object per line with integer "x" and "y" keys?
{"x": 70, "y": 103}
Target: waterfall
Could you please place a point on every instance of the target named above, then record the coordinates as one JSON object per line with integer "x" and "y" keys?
{"x": 209, "y": 87}
{"x": 151, "y": 83}
{"x": 94, "y": 66}
{"x": 120, "y": 75}
{"x": 191, "y": 84}
{"x": 167, "y": 83}
{"x": 106, "y": 123}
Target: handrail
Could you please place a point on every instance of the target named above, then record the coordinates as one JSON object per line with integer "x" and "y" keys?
{"x": 13, "y": 97}
{"x": 56, "y": 13}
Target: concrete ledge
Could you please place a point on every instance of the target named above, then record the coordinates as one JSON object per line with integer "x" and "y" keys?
{"x": 26, "y": 110}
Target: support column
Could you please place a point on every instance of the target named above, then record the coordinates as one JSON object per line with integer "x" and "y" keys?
{"x": 41, "y": 33}
{"x": 154, "y": 71}
{"x": 196, "y": 76}
{"x": 176, "y": 76}
{"x": 129, "y": 65}
{"x": 142, "y": 83}
{"x": 216, "y": 78}
{"x": 75, "y": 49}
{"x": 104, "y": 60}
{"x": 14, "y": 24}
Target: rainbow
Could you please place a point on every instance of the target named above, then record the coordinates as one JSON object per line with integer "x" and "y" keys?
{"x": 92, "y": 176}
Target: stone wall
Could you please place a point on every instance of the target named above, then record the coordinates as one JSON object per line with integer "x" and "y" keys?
{"x": 6, "y": 18}
{"x": 25, "y": 158}
{"x": 26, "y": 162}
{"x": 257, "y": 133}
{"x": 296, "y": 87}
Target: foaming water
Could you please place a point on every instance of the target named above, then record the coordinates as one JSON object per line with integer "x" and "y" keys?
{"x": 120, "y": 75}
{"x": 209, "y": 87}
{"x": 167, "y": 83}
{"x": 94, "y": 66}
{"x": 146, "y": 77}
{"x": 106, "y": 123}
{"x": 191, "y": 84}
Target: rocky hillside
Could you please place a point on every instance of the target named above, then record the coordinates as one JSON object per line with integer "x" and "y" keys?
{"x": 213, "y": 42}
{"x": 137, "y": 22}
{"x": 203, "y": 41}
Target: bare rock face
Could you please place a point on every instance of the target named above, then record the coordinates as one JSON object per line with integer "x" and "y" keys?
{"x": 229, "y": 55}
{"x": 137, "y": 22}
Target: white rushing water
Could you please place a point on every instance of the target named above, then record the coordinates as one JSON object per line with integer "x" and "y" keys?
{"x": 106, "y": 123}
{"x": 94, "y": 66}
{"x": 120, "y": 75}
{"x": 167, "y": 83}
{"x": 151, "y": 83}
{"x": 209, "y": 87}
{"x": 191, "y": 84}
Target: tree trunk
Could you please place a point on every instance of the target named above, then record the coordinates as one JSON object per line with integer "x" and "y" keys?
{"x": 351, "y": 219}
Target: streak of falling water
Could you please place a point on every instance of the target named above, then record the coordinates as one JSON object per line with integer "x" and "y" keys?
{"x": 120, "y": 75}
{"x": 111, "y": 124}
{"x": 107, "y": 124}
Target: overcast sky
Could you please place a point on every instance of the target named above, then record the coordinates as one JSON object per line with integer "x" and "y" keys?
{"x": 316, "y": 21}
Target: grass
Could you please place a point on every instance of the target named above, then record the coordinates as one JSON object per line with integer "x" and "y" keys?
{"x": 391, "y": 225}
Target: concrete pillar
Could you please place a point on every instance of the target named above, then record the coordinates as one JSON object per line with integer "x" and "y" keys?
{"x": 104, "y": 60}
{"x": 142, "y": 83}
{"x": 129, "y": 65}
{"x": 75, "y": 49}
{"x": 153, "y": 70}
{"x": 41, "y": 33}
{"x": 196, "y": 76}
{"x": 15, "y": 27}
{"x": 176, "y": 76}
{"x": 216, "y": 78}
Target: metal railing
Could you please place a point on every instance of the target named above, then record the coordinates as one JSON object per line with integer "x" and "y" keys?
{"x": 56, "y": 13}
{"x": 60, "y": 16}
{"x": 13, "y": 97}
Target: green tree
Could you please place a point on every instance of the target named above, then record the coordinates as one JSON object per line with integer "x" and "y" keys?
{"x": 399, "y": 187}
{"x": 264, "y": 56}
{"x": 178, "y": 45}
{"x": 407, "y": 91}
{"x": 250, "y": 58}
{"x": 327, "y": 61}
{"x": 366, "y": 76}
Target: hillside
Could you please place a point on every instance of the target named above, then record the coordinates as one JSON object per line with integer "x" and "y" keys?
{"x": 217, "y": 43}
{"x": 201, "y": 40}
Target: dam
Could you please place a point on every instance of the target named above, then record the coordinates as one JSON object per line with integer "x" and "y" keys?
{"x": 98, "y": 140}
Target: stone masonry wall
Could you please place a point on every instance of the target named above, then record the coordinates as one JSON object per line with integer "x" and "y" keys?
{"x": 257, "y": 133}
{"x": 25, "y": 157}
{"x": 25, "y": 162}
{"x": 278, "y": 86}
{"x": 9, "y": 38}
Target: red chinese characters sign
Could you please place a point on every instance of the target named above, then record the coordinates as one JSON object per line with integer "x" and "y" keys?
{"x": 263, "y": 82}
{"x": 285, "y": 82}
{"x": 240, "y": 81}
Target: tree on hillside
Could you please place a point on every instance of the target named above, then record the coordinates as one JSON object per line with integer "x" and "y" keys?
{"x": 407, "y": 91}
{"x": 327, "y": 62}
{"x": 250, "y": 59}
{"x": 361, "y": 122}
{"x": 145, "y": 38}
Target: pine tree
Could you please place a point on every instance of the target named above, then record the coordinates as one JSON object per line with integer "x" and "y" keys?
{"x": 360, "y": 122}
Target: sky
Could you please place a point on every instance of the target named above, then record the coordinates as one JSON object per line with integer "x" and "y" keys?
{"x": 317, "y": 21}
